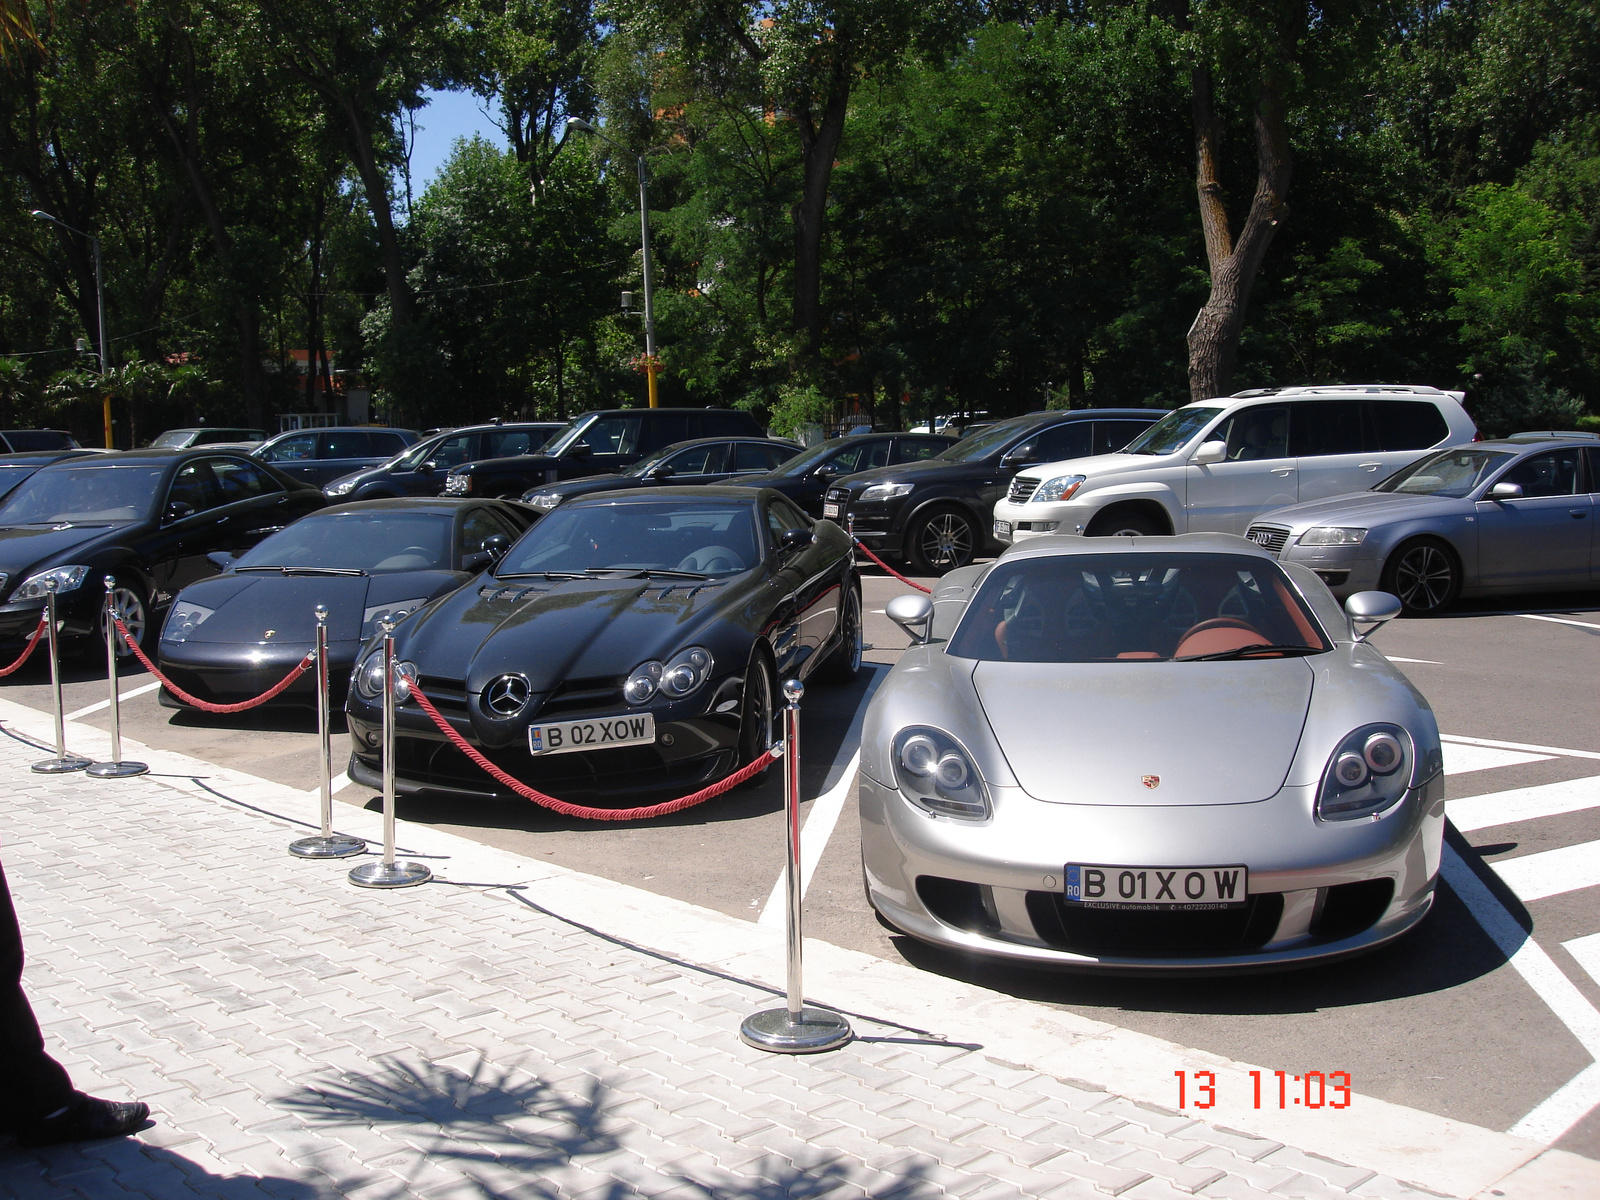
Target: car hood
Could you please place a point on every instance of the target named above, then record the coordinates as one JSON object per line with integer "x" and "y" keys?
{"x": 927, "y": 471}
{"x": 1364, "y": 508}
{"x": 551, "y": 631}
{"x": 1094, "y": 733}
{"x": 26, "y": 547}
{"x": 247, "y": 605}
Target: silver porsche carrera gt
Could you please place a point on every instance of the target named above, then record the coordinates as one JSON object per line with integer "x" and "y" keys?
{"x": 1148, "y": 752}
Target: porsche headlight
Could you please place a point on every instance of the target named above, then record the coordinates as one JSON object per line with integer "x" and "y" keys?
{"x": 393, "y": 611}
{"x": 885, "y": 491}
{"x": 643, "y": 683}
{"x": 1368, "y": 774}
{"x": 37, "y": 587}
{"x": 1332, "y": 535}
{"x": 1060, "y": 488}
{"x": 184, "y": 619}
{"x": 343, "y": 488}
{"x": 544, "y": 500}
{"x": 686, "y": 672}
{"x": 936, "y": 773}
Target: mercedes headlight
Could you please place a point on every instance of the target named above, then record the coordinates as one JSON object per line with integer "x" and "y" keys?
{"x": 1368, "y": 774}
{"x": 544, "y": 500}
{"x": 1060, "y": 488}
{"x": 183, "y": 620}
{"x": 643, "y": 683}
{"x": 1332, "y": 535}
{"x": 885, "y": 491}
{"x": 368, "y": 677}
{"x": 37, "y": 587}
{"x": 686, "y": 672}
{"x": 936, "y": 773}
{"x": 393, "y": 611}
{"x": 343, "y": 488}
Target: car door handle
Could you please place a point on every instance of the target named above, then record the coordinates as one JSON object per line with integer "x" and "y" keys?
{"x": 1578, "y": 514}
{"x": 1283, "y": 470}
{"x": 266, "y": 530}
{"x": 1370, "y": 466}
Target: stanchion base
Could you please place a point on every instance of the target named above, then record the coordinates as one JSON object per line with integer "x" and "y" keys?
{"x": 390, "y": 875}
{"x": 818, "y": 1029}
{"x": 338, "y": 845}
{"x": 61, "y": 766}
{"x": 117, "y": 770}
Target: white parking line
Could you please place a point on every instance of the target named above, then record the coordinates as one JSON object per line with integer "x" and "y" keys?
{"x": 1552, "y": 872}
{"x": 1560, "y": 621}
{"x": 1587, "y": 951}
{"x": 1524, "y": 804}
{"x": 106, "y": 703}
{"x": 1460, "y": 759}
{"x": 1472, "y": 741}
{"x": 814, "y": 835}
{"x": 340, "y": 781}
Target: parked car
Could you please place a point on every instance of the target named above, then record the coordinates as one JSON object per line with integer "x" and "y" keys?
{"x": 421, "y": 470}
{"x": 1239, "y": 779}
{"x": 1514, "y": 515}
{"x": 704, "y": 460}
{"x": 806, "y": 477}
{"x": 206, "y": 435}
{"x": 17, "y": 441}
{"x": 14, "y": 468}
{"x": 659, "y": 621}
{"x": 320, "y": 456}
{"x": 598, "y": 443}
{"x": 1217, "y": 465}
{"x": 148, "y": 517}
{"x": 233, "y": 636}
{"x": 936, "y": 514}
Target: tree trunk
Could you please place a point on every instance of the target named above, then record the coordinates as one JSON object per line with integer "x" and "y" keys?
{"x": 375, "y": 181}
{"x": 1214, "y": 336}
{"x": 819, "y": 143}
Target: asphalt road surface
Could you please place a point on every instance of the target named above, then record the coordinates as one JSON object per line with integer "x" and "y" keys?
{"x": 1466, "y": 1017}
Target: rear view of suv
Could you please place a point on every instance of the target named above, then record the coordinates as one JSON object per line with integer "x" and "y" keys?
{"x": 1214, "y": 465}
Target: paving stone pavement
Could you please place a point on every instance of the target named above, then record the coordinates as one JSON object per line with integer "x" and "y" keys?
{"x": 297, "y": 1037}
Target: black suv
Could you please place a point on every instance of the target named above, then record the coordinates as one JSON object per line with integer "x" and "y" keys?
{"x": 598, "y": 442}
{"x": 420, "y": 471}
{"x": 936, "y": 514}
{"x": 704, "y": 460}
{"x": 807, "y": 476}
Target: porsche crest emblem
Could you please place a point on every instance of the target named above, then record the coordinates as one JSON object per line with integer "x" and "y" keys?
{"x": 1150, "y": 781}
{"x": 269, "y": 633}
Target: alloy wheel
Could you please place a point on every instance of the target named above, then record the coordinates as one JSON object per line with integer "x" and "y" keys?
{"x": 1425, "y": 578}
{"x": 128, "y": 604}
{"x": 945, "y": 542}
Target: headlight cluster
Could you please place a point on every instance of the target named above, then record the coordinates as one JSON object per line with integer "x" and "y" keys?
{"x": 685, "y": 672}
{"x": 37, "y": 587}
{"x": 393, "y": 611}
{"x": 1332, "y": 535}
{"x": 343, "y": 488}
{"x": 368, "y": 678}
{"x": 885, "y": 491}
{"x": 458, "y": 485}
{"x": 545, "y": 500}
{"x": 936, "y": 773}
{"x": 1368, "y": 773}
{"x": 1060, "y": 488}
{"x": 184, "y": 619}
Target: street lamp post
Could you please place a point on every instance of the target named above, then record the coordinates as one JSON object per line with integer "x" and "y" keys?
{"x": 100, "y": 304}
{"x": 651, "y": 366}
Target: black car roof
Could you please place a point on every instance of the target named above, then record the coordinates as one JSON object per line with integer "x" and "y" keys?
{"x": 439, "y": 504}
{"x": 23, "y": 457}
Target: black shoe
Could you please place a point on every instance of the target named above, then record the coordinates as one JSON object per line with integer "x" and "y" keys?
{"x": 86, "y": 1119}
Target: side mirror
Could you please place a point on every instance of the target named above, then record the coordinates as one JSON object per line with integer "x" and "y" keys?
{"x": 220, "y": 559}
{"x": 1209, "y": 453}
{"x": 427, "y": 468}
{"x": 580, "y": 450}
{"x": 178, "y": 510}
{"x": 664, "y": 471}
{"x": 1505, "y": 491}
{"x": 1020, "y": 456}
{"x": 1372, "y": 610}
{"x": 914, "y": 614}
{"x": 791, "y": 541}
{"x": 826, "y": 471}
{"x": 496, "y": 546}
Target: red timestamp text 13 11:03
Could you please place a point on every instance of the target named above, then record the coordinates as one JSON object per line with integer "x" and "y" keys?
{"x": 1314, "y": 1089}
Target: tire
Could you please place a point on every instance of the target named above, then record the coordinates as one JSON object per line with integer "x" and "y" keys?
{"x": 941, "y": 541}
{"x": 1132, "y": 524}
{"x": 1425, "y": 575}
{"x": 756, "y": 708}
{"x": 133, "y": 606}
{"x": 844, "y": 663}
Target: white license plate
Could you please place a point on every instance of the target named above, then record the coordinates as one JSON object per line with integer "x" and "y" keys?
{"x": 599, "y": 733}
{"x": 1002, "y": 529}
{"x": 832, "y": 510}
{"x": 1100, "y": 885}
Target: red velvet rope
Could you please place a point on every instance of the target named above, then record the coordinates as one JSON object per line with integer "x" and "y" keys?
{"x": 33, "y": 640}
{"x": 299, "y": 669}
{"x": 888, "y": 568}
{"x": 579, "y": 810}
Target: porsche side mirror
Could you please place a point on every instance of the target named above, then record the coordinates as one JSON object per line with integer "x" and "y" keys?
{"x": 220, "y": 559}
{"x": 1209, "y": 453}
{"x": 178, "y": 510}
{"x": 1368, "y": 611}
{"x": 1505, "y": 491}
{"x": 914, "y": 614}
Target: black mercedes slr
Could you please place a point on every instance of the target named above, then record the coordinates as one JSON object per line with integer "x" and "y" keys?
{"x": 628, "y": 647}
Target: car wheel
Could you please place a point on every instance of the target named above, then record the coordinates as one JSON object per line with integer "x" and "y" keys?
{"x": 756, "y": 708}
{"x": 1424, "y": 574}
{"x": 128, "y": 599}
{"x": 1131, "y": 524}
{"x": 941, "y": 541}
{"x": 844, "y": 664}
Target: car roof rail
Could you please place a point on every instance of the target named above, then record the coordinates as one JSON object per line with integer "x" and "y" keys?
{"x": 1346, "y": 389}
{"x": 1543, "y": 435}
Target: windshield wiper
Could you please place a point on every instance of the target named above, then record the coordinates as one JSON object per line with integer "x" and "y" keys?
{"x": 306, "y": 570}
{"x": 1241, "y": 651}
{"x": 671, "y": 573}
{"x": 542, "y": 575}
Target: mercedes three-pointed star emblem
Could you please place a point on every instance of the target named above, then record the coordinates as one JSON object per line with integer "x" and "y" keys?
{"x": 507, "y": 696}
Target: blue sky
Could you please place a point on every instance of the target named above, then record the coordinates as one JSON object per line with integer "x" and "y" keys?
{"x": 448, "y": 116}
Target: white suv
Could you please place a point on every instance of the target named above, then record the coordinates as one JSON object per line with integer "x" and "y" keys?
{"x": 1215, "y": 465}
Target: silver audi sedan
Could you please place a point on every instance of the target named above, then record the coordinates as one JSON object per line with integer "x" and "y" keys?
{"x": 1129, "y": 753}
{"x": 1515, "y": 515}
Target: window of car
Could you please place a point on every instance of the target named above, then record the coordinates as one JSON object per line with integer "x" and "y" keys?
{"x": 1594, "y": 468}
{"x": 710, "y": 539}
{"x": 1556, "y": 473}
{"x": 665, "y": 428}
{"x": 240, "y": 480}
{"x": 1133, "y": 608}
{"x": 1408, "y": 424}
{"x": 376, "y": 541}
{"x": 861, "y": 456}
{"x": 347, "y": 443}
{"x": 479, "y": 524}
{"x": 1330, "y": 427}
{"x": 195, "y": 486}
{"x": 1073, "y": 439}
{"x": 452, "y": 451}
{"x": 612, "y": 435}
{"x": 300, "y": 448}
{"x": 915, "y": 449}
{"x": 1174, "y": 431}
{"x": 506, "y": 443}
{"x": 698, "y": 460}
{"x": 1257, "y": 433}
{"x": 753, "y": 456}
{"x": 1111, "y": 436}
{"x": 986, "y": 441}
{"x": 1455, "y": 472}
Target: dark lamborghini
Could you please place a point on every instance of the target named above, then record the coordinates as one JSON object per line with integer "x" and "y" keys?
{"x": 233, "y": 636}
{"x": 629, "y": 647}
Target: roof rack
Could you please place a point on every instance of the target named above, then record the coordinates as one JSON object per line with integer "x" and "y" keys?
{"x": 1538, "y": 435}
{"x": 1346, "y": 389}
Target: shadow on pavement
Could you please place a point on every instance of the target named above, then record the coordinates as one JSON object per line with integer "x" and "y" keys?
{"x": 115, "y": 1166}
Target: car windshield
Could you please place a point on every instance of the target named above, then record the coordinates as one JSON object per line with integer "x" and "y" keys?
{"x": 807, "y": 459}
{"x": 645, "y": 466}
{"x": 1142, "y": 607}
{"x": 984, "y": 442}
{"x": 407, "y": 459}
{"x": 173, "y": 439}
{"x": 1453, "y": 473}
{"x": 378, "y": 542}
{"x": 662, "y": 536}
{"x": 97, "y": 493}
{"x": 1172, "y": 432}
{"x": 12, "y": 474}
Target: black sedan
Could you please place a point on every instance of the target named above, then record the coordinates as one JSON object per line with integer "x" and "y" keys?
{"x": 148, "y": 517}
{"x": 806, "y": 477}
{"x": 701, "y": 460}
{"x": 232, "y": 637}
{"x": 629, "y": 646}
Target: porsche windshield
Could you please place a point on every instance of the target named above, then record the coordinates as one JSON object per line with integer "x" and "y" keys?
{"x": 376, "y": 542}
{"x": 1156, "y": 607}
{"x": 1453, "y": 473}
{"x": 98, "y": 493}
{"x": 661, "y": 535}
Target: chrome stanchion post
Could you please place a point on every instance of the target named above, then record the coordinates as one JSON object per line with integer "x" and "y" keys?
{"x": 388, "y": 873}
{"x": 795, "y": 1028}
{"x": 62, "y": 762}
{"x": 115, "y": 768}
{"x": 326, "y": 844}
